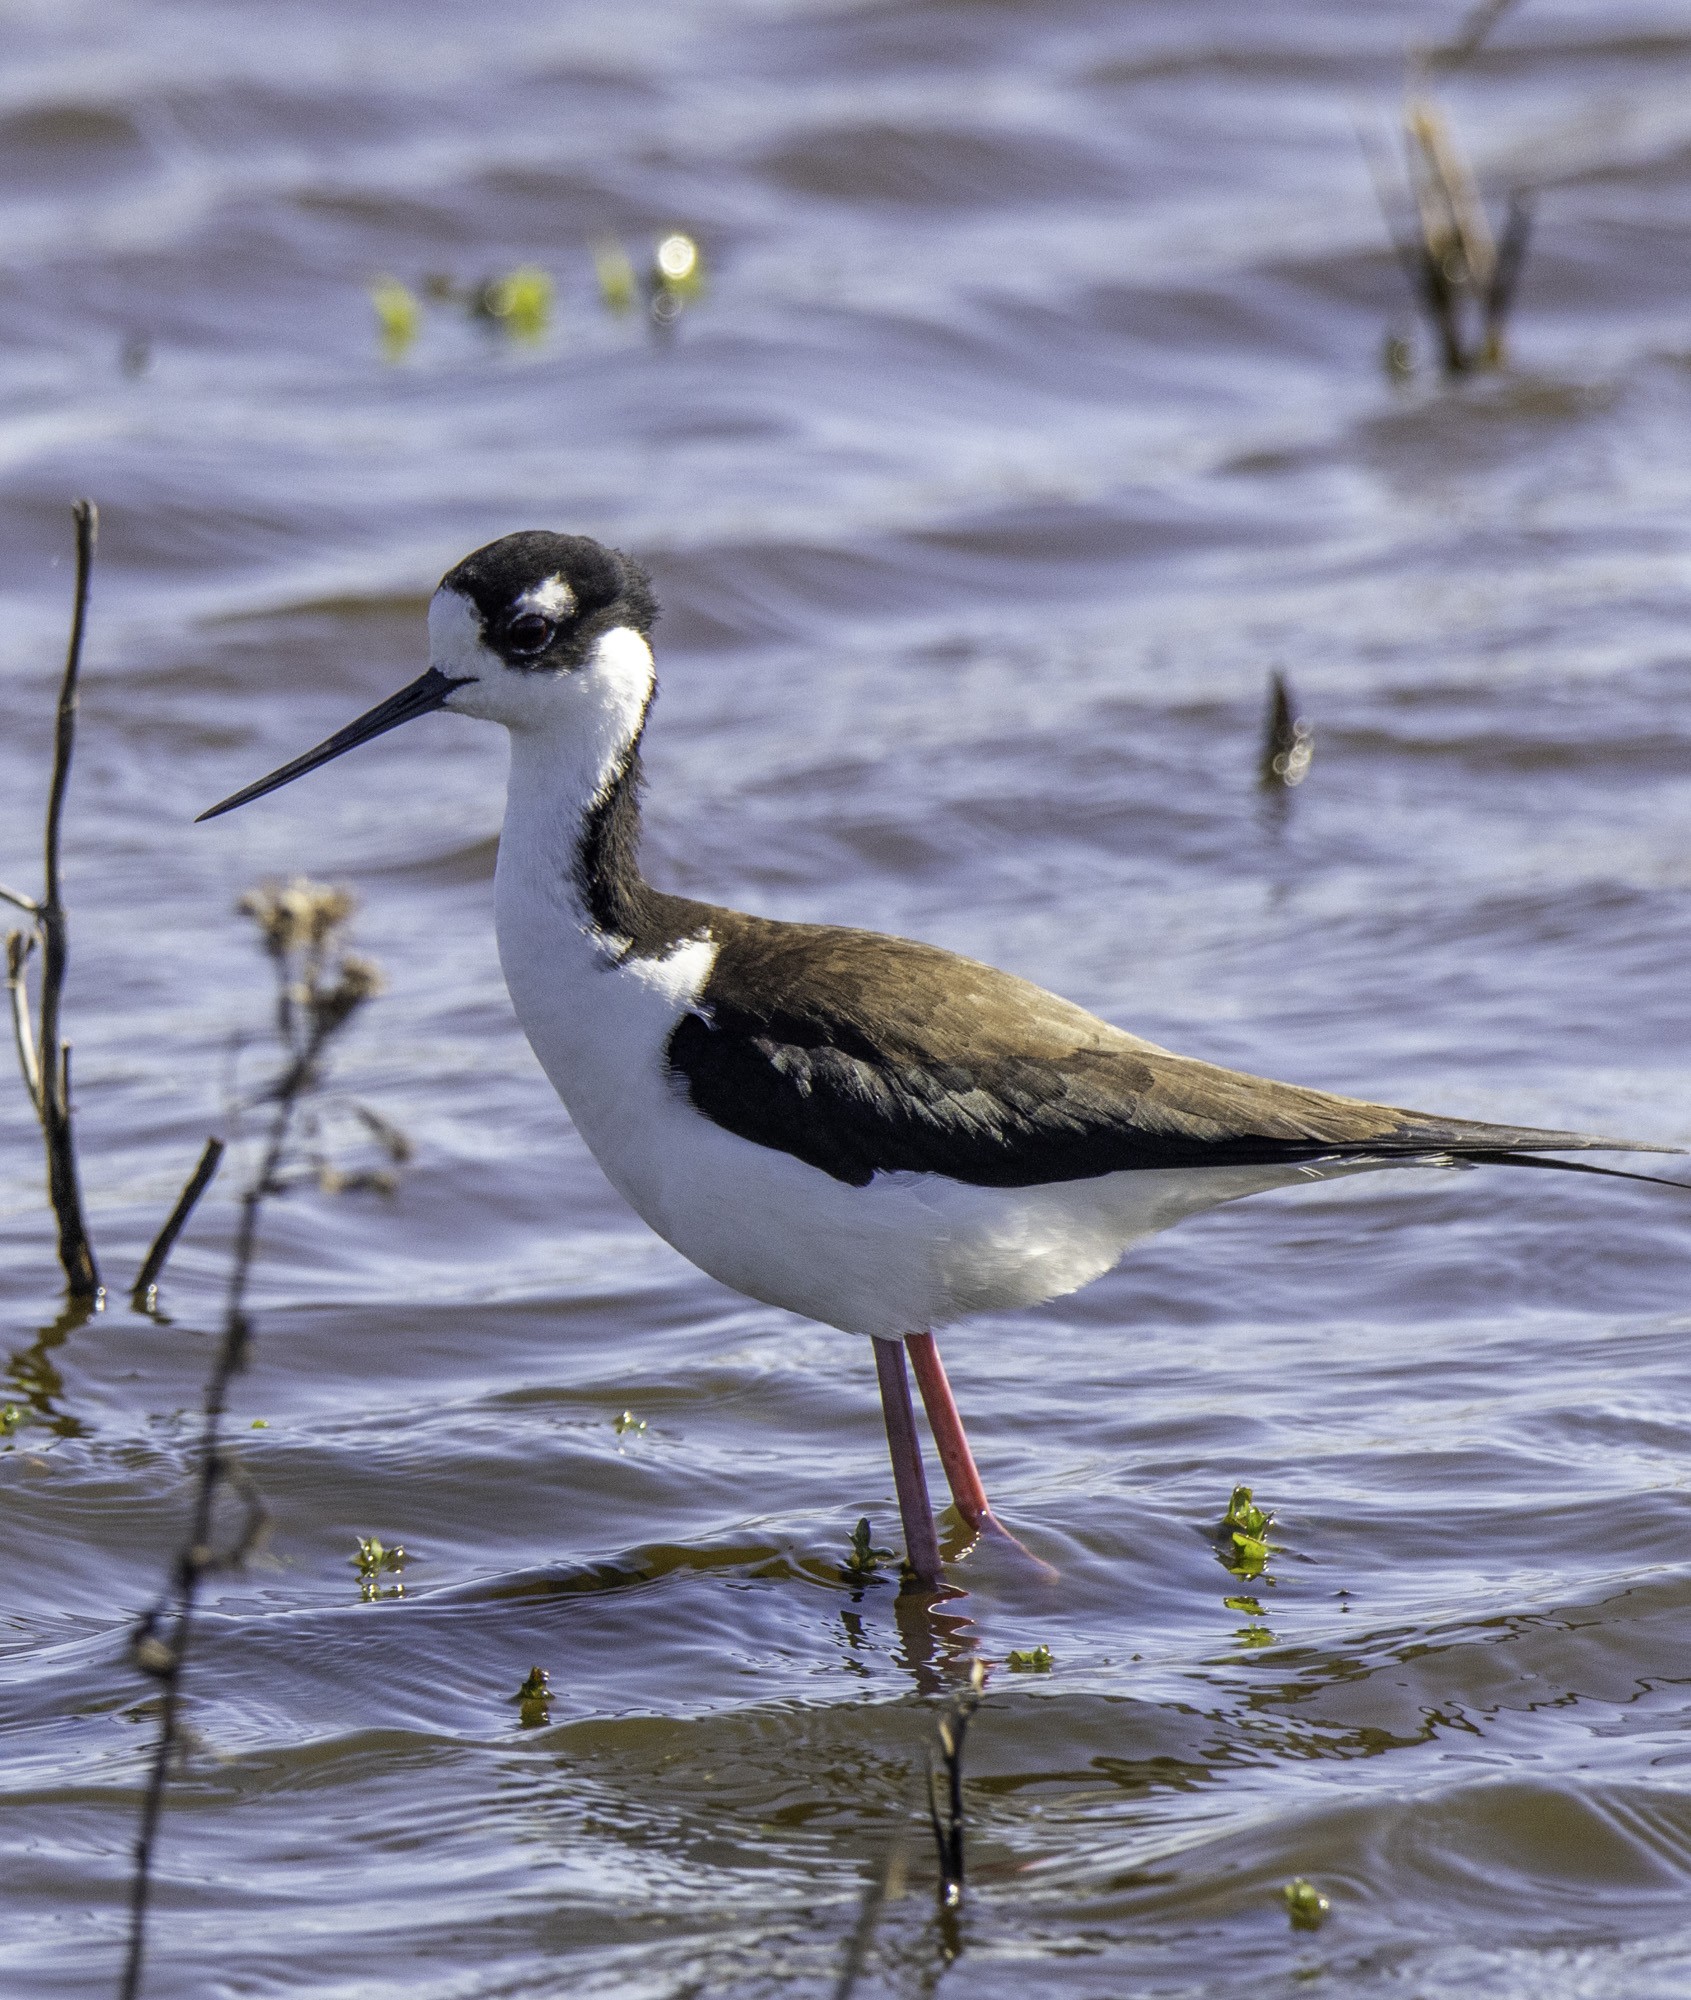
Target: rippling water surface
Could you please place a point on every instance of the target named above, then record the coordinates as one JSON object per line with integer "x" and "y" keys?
{"x": 1034, "y": 413}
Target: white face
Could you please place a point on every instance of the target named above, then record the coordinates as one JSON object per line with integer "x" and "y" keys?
{"x": 602, "y": 699}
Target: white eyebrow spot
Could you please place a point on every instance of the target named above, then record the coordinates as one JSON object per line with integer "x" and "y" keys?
{"x": 552, "y": 598}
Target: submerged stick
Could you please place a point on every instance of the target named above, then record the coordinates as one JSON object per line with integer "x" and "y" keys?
{"x": 64, "y": 1186}
{"x": 43, "y": 1054}
{"x": 1506, "y": 274}
{"x": 145, "y": 1290}
{"x": 1463, "y": 278}
{"x": 1288, "y": 742}
{"x": 945, "y": 1815}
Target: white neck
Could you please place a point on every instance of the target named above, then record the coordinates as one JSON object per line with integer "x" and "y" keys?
{"x": 566, "y": 753}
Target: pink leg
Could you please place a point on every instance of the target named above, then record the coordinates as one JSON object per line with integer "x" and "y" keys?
{"x": 921, "y": 1543}
{"x": 961, "y": 1472}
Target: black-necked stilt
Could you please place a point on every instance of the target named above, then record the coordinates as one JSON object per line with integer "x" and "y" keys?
{"x": 874, "y": 1133}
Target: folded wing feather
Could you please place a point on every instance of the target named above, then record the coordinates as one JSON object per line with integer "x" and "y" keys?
{"x": 865, "y": 1054}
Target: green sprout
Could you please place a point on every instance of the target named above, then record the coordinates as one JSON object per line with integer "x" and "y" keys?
{"x": 627, "y": 1422}
{"x": 261, "y": 1423}
{"x": 533, "y": 1700}
{"x": 1034, "y": 1660}
{"x": 864, "y": 1558}
{"x": 10, "y": 1417}
{"x": 619, "y": 289}
{"x": 1242, "y": 1537}
{"x": 398, "y": 316}
{"x": 1305, "y": 1904}
{"x": 373, "y": 1561}
{"x": 521, "y": 302}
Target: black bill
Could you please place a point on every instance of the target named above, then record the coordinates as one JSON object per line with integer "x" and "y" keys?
{"x": 428, "y": 691}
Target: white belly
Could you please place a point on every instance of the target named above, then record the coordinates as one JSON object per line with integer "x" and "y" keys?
{"x": 906, "y": 1253}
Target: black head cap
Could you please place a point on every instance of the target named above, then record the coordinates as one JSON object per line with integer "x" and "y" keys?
{"x": 525, "y": 617}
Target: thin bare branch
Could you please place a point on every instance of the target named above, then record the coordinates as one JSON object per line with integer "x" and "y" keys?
{"x": 1452, "y": 200}
{"x": 27, "y": 904}
{"x": 76, "y": 1252}
{"x": 945, "y": 1802}
{"x": 1470, "y": 36}
{"x": 161, "y": 1641}
{"x": 18, "y": 949}
{"x": 145, "y": 1292}
{"x": 1511, "y": 256}
{"x": 162, "y": 1638}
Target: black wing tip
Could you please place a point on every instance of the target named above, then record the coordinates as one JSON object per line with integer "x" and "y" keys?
{"x": 1580, "y": 1142}
{"x": 1524, "y": 1159}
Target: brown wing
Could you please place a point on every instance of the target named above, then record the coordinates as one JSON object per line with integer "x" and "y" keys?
{"x": 864, "y": 1054}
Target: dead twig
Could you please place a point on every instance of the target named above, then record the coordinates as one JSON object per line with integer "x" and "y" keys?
{"x": 1462, "y": 277}
{"x": 945, "y": 1796}
{"x": 1465, "y": 44}
{"x": 319, "y": 990}
{"x": 144, "y": 1294}
{"x": 76, "y": 1252}
{"x": 1288, "y": 742}
{"x": 1506, "y": 273}
{"x": 43, "y": 1053}
{"x": 18, "y": 950}
{"x": 945, "y": 1816}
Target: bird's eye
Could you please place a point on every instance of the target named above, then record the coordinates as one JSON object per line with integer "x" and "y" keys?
{"x": 529, "y": 633}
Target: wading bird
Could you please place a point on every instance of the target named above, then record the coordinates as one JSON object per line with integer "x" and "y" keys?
{"x": 871, "y": 1132}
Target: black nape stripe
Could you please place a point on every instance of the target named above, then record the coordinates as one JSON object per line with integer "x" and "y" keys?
{"x": 621, "y": 903}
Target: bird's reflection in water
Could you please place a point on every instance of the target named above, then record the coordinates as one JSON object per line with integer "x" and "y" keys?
{"x": 936, "y": 1647}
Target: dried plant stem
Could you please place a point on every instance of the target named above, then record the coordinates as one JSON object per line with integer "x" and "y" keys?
{"x": 945, "y": 1816}
{"x": 1465, "y": 43}
{"x": 1452, "y": 214}
{"x": 144, "y": 1294}
{"x": 1506, "y": 274}
{"x": 43, "y": 1055}
{"x": 1464, "y": 278}
{"x": 18, "y": 949}
{"x": 318, "y": 999}
{"x": 161, "y": 1645}
{"x": 945, "y": 1801}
